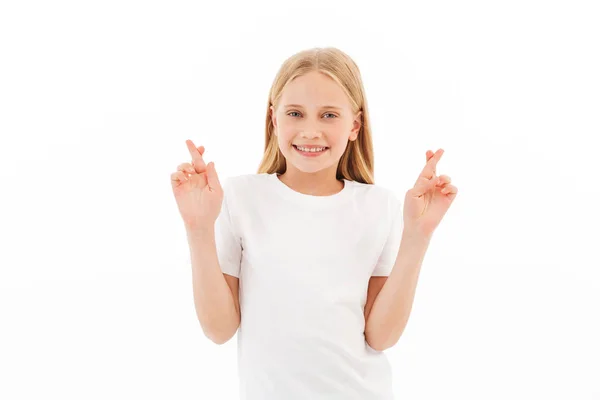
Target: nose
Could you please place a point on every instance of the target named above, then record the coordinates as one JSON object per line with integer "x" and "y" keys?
{"x": 312, "y": 133}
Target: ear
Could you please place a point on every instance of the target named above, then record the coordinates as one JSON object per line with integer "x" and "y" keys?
{"x": 273, "y": 119}
{"x": 357, "y": 124}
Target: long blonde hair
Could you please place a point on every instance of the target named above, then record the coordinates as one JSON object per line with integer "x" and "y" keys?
{"x": 356, "y": 163}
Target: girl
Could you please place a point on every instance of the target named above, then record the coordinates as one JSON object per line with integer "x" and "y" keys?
{"x": 296, "y": 255}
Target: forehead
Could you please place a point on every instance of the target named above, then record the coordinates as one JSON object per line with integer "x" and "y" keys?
{"x": 314, "y": 90}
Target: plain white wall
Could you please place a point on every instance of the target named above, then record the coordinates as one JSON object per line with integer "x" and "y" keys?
{"x": 97, "y": 100}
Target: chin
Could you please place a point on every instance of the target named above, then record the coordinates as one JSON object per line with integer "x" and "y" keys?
{"x": 309, "y": 168}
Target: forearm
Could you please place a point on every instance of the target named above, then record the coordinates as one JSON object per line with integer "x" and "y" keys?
{"x": 391, "y": 309}
{"x": 213, "y": 300}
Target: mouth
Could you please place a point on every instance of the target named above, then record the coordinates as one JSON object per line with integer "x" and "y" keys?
{"x": 311, "y": 151}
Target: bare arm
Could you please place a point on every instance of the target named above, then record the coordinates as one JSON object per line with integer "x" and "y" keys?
{"x": 392, "y": 307}
{"x": 216, "y": 297}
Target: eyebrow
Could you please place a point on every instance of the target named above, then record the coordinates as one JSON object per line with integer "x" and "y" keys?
{"x": 299, "y": 106}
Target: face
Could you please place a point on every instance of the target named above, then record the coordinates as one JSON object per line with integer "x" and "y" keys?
{"x": 314, "y": 111}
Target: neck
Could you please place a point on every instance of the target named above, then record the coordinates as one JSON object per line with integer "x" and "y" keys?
{"x": 321, "y": 183}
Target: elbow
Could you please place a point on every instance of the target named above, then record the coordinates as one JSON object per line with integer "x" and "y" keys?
{"x": 219, "y": 337}
{"x": 375, "y": 343}
{"x": 380, "y": 342}
{"x": 219, "y": 340}
{"x": 377, "y": 346}
{"x": 381, "y": 346}
{"x": 223, "y": 334}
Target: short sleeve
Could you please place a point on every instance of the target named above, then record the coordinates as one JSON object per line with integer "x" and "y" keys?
{"x": 389, "y": 253}
{"x": 228, "y": 243}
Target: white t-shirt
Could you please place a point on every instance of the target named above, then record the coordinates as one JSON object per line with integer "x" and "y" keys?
{"x": 304, "y": 264}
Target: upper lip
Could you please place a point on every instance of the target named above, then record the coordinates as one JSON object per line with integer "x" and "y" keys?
{"x": 309, "y": 146}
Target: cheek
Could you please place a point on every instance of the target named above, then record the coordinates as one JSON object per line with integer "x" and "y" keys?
{"x": 285, "y": 137}
{"x": 339, "y": 142}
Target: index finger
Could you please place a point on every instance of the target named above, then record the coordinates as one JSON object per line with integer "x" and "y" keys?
{"x": 197, "y": 160}
{"x": 429, "y": 169}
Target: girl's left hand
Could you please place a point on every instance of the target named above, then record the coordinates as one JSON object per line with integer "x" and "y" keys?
{"x": 427, "y": 202}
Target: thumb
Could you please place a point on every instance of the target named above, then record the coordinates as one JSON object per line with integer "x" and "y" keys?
{"x": 211, "y": 175}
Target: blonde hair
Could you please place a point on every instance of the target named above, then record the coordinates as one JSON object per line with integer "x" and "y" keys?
{"x": 356, "y": 163}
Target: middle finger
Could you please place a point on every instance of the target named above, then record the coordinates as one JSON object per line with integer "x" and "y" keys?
{"x": 197, "y": 160}
{"x": 429, "y": 170}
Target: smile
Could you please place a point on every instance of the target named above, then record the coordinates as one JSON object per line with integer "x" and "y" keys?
{"x": 311, "y": 152}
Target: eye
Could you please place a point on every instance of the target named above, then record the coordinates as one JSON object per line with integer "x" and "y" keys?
{"x": 296, "y": 112}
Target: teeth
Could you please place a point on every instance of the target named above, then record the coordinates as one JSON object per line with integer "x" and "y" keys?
{"x": 311, "y": 150}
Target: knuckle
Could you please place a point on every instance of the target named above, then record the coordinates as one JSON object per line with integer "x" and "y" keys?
{"x": 186, "y": 167}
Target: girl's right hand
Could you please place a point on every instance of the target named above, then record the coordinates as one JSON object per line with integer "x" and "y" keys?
{"x": 197, "y": 190}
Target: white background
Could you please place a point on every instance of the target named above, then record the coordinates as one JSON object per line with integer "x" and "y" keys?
{"x": 97, "y": 100}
